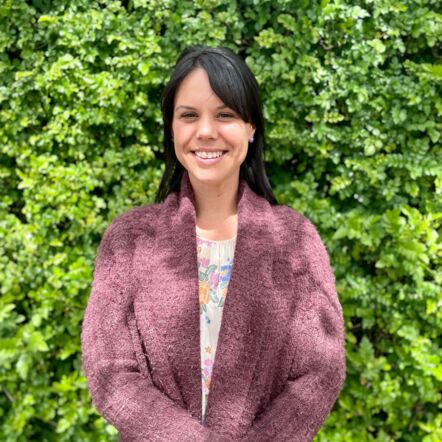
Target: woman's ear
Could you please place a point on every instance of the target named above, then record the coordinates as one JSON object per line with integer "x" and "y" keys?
{"x": 252, "y": 133}
{"x": 253, "y": 130}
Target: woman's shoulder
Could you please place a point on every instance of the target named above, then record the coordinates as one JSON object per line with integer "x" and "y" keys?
{"x": 132, "y": 222}
{"x": 301, "y": 239}
{"x": 293, "y": 222}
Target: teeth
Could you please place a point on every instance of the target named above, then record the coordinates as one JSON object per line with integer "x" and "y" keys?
{"x": 208, "y": 154}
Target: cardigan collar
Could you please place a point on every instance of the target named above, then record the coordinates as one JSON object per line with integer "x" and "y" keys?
{"x": 173, "y": 307}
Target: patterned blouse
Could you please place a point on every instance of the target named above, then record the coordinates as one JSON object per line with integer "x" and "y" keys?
{"x": 215, "y": 259}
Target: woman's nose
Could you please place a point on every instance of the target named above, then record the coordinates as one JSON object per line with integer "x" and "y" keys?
{"x": 206, "y": 128}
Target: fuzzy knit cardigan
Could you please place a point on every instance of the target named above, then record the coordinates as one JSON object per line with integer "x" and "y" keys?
{"x": 280, "y": 361}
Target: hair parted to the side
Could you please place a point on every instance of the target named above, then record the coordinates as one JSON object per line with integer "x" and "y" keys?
{"x": 235, "y": 85}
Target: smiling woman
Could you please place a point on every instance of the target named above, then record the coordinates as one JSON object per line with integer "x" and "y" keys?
{"x": 213, "y": 130}
{"x": 213, "y": 314}
{"x": 212, "y": 103}
{"x": 211, "y": 140}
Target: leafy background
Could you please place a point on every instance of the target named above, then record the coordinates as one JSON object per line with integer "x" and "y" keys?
{"x": 352, "y": 97}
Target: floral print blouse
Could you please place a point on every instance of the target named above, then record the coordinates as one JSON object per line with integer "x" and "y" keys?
{"x": 215, "y": 259}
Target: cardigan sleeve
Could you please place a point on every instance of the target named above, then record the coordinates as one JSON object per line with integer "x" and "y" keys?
{"x": 119, "y": 382}
{"x": 318, "y": 367}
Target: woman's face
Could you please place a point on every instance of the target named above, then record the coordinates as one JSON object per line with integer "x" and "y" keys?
{"x": 202, "y": 123}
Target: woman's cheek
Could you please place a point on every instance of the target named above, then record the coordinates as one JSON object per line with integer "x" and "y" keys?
{"x": 184, "y": 135}
{"x": 236, "y": 133}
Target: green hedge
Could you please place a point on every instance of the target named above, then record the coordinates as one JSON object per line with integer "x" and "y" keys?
{"x": 352, "y": 97}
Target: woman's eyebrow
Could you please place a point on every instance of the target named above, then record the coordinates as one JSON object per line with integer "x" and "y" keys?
{"x": 183, "y": 106}
{"x": 222, "y": 106}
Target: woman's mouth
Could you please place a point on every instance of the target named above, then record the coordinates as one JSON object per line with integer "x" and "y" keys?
{"x": 212, "y": 158}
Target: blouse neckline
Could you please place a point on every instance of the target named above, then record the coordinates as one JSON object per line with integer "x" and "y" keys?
{"x": 215, "y": 240}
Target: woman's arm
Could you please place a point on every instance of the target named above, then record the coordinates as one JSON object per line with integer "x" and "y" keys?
{"x": 121, "y": 388}
{"x": 318, "y": 368}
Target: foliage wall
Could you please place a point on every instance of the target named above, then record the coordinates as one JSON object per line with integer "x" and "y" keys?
{"x": 352, "y": 95}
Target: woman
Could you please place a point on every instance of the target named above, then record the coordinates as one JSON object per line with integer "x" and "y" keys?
{"x": 214, "y": 267}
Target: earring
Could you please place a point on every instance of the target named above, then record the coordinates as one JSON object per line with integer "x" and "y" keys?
{"x": 251, "y": 139}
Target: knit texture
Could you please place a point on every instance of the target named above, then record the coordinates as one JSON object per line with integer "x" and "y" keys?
{"x": 280, "y": 361}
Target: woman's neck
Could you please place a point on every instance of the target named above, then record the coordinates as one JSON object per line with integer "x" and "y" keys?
{"x": 215, "y": 203}
{"x": 216, "y": 209}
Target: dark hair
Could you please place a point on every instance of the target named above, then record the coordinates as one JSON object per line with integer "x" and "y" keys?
{"x": 233, "y": 82}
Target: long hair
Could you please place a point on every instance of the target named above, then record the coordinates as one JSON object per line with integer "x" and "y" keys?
{"x": 235, "y": 85}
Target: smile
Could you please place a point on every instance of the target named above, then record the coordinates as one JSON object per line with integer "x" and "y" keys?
{"x": 208, "y": 158}
{"x": 202, "y": 154}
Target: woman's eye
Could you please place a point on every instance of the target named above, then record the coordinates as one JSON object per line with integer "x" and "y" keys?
{"x": 225, "y": 115}
{"x": 222, "y": 115}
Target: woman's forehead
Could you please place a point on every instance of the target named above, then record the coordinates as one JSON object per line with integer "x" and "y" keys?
{"x": 195, "y": 91}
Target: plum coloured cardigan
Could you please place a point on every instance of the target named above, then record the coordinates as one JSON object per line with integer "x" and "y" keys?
{"x": 280, "y": 361}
